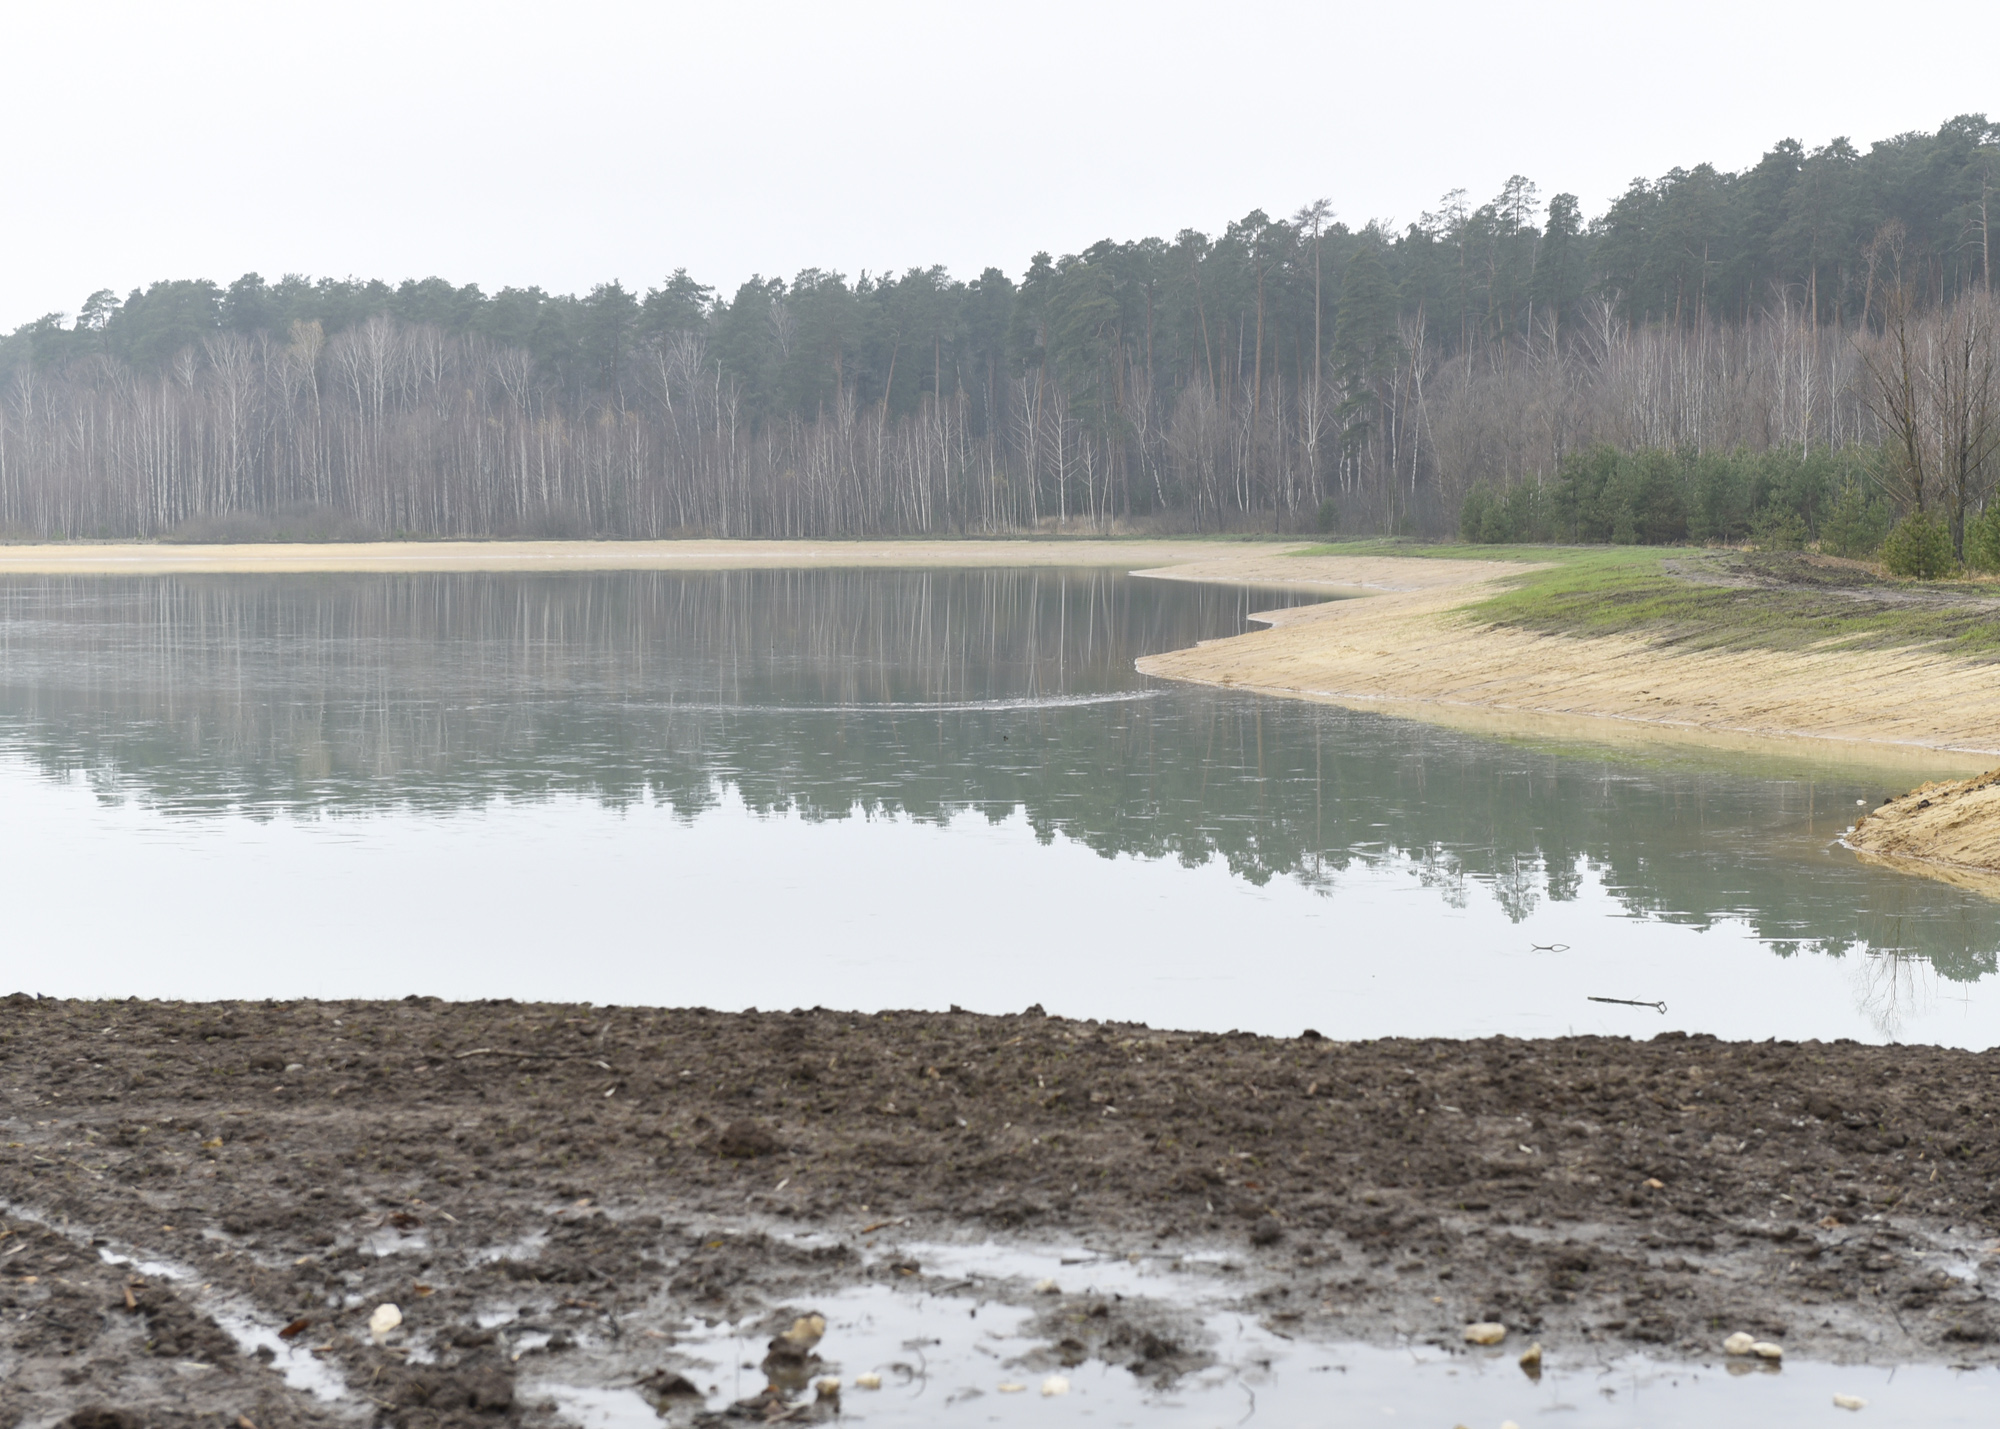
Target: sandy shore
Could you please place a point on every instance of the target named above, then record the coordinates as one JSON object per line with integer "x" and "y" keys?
{"x": 149, "y": 558}
{"x": 1410, "y": 648}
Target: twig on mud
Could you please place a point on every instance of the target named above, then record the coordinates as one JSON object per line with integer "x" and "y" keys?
{"x": 884, "y": 1225}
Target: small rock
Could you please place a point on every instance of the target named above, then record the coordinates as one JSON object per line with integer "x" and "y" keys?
{"x": 1047, "y": 1287}
{"x": 827, "y": 1388}
{"x": 1266, "y": 1231}
{"x": 293, "y": 1067}
{"x": 1765, "y": 1350}
{"x": 870, "y": 1380}
{"x": 1738, "y": 1344}
{"x": 805, "y": 1332}
{"x": 1011, "y": 1388}
{"x": 1849, "y": 1401}
{"x": 1486, "y": 1332}
{"x": 1531, "y": 1360}
{"x": 383, "y": 1322}
{"x": 1053, "y": 1385}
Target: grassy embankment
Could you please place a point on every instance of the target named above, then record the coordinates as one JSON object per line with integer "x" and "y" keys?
{"x": 1722, "y": 599}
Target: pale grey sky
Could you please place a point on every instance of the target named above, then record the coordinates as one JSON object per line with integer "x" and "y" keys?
{"x": 568, "y": 144}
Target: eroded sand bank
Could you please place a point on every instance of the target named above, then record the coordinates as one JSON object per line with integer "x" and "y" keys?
{"x": 1950, "y": 828}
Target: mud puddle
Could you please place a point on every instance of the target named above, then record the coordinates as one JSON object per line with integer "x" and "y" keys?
{"x": 1072, "y": 1337}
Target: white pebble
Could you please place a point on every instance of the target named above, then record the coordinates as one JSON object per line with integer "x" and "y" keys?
{"x": 1047, "y": 1287}
{"x": 1738, "y": 1344}
{"x": 1054, "y": 1384}
{"x": 385, "y": 1319}
{"x": 1849, "y": 1401}
{"x": 1486, "y": 1332}
{"x": 1765, "y": 1350}
{"x": 870, "y": 1380}
{"x": 1011, "y": 1388}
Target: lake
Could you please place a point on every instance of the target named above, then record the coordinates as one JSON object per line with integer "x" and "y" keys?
{"x": 873, "y": 789}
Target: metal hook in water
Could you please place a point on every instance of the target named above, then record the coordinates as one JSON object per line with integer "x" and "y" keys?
{"x": 1629, "y": 1002}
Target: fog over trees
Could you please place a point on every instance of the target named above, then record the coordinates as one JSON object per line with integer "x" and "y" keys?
{"x": 1288, "y": 373}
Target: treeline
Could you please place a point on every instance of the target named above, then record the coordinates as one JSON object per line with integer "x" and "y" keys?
{"x": 1283, "y": 374}
{"x": 1776, "y": 499}
{"x": 1922, "y": 498}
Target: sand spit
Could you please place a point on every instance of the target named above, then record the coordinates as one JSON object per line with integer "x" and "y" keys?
{"x": 1411, "y": 649}
{"x": 148, "y": 558}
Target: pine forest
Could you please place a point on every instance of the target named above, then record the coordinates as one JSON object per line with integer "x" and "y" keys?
{"x": 1782, "y": 349}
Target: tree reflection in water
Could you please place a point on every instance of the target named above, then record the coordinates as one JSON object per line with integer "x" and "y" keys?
{"x": 826, "y": 694}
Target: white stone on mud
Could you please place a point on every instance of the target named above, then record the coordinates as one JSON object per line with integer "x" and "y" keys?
{"x": 1485, "y": 1332}
{"x": 385, "y": 1319}
{"x": 1054, "y": 1384}
{"x": 806, "y": 1331}
{"x": 870, "y": 1380}
{"x": 1849, "y": 1401}
{"x": 1047, "y": 1287}
{"x": 1738, "y": 1344}
{"x": 1765, "y": 1350}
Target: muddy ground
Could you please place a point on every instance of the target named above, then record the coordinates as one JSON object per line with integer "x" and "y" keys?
{"x": 576, "y": 1186}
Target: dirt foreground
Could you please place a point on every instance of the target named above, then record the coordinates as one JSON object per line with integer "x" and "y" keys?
{"x": 199, "y": 1199}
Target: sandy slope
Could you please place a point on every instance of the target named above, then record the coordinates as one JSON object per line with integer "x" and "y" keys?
{"x": 1410, "y": 647}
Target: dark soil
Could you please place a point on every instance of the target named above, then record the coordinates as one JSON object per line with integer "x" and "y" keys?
{"x": 601, "y": 1175}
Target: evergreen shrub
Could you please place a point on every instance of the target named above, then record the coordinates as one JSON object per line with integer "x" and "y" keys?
{"x": 1919, "y": 545}
{"x": 1982, "y": 539}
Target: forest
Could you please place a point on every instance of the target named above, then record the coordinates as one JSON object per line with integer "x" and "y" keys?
{"x": 1285, "y": 374}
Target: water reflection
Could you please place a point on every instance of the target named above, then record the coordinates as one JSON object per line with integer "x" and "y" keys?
{"x": 831, "y": 694}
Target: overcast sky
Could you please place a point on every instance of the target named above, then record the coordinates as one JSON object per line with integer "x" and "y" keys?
{"x": 569, "y": 144}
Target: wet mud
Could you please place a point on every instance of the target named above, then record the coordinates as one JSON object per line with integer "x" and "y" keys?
{"x": 203, "y": 1205}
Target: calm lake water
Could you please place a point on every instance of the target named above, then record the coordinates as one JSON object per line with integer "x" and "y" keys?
{"x": 892, "y": 789}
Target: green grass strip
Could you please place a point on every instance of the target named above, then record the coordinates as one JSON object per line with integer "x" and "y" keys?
{"x": 1676, "y": 596}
